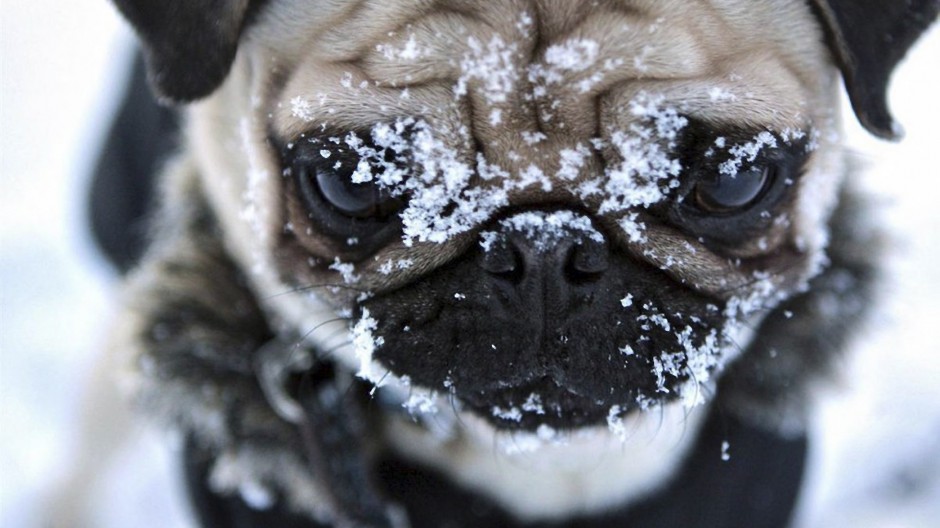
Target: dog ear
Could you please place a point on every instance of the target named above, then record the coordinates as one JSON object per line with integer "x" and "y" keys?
{"x": 868, "y": 38}
{"x": 189, "y": 45}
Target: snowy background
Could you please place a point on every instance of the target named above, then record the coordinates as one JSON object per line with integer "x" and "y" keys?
{"x": 877, "y": 455}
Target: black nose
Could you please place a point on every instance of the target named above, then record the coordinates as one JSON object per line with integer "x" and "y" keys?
{"x": 531, "y": 259}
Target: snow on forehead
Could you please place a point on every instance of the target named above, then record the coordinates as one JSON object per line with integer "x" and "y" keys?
{"x": 449, "y": 192}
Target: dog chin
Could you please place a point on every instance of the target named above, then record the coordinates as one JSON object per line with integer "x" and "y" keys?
{"x": 535, "y": 470}
{"x": 546, "y": 473}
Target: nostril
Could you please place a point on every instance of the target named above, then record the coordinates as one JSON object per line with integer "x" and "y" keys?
{"x": 551, "y": 254}
{"x": 504, "y": 261}
{"x": 587, "y": 261}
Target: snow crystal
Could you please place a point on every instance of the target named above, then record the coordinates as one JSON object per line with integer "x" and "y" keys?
{"x": 575, "y": 55}
{"x": 762, "y": 295}
{"x": 364, "y": 346}
{"x": 522, "y": 442}
{"x": 725, "y": 455}
{"x": 746, "y": 152}
{"x": 390, "y": 266}
{"x": 789, "y": 135}
{"x": 627, "y": 301}
{"x": 496, "y": 117}
{"x": 487, "y": 239}
{"x": 645, "y": 403}
{"x": 572, "y": 160}
{"x": 639, "y": 61}
{"x": 666, "y": 363}
{"x": 545, "y": 229}
{"x": 661, "y": 321}
{"x": 409, "y": 52}
{"x": 533, "y": 138}
{"x": 615, "y": 423}
{"x": 718, "y": 94}
{"x": 512, "y": 414}
{"x": 533, "y": 404}
{"x": 302, "y": 109}
{"x": 646, "y": 170}
{"x": 346, "y": 269}
{"x": 491, "y": 66}
{"x": 532, "y": 175}
{"x": 387, "y": 267}
{"x": 421, "y": 402}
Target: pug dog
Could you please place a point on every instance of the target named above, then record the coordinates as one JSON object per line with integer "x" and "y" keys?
{"x": 504, "y": 263}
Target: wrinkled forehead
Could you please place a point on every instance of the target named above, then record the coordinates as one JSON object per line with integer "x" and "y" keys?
{"x": 558, "y": 67}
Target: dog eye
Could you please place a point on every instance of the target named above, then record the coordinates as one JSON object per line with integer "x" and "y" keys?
{"x": 335, "y": 186}
{"x": 727, "y": 193}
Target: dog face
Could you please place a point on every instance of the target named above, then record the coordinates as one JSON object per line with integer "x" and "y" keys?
{"x": 581, "y": 206}
{"x": 555, "y": 214}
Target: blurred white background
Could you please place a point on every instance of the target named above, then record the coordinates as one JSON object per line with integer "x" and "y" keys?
{"x": 877, "y": 455}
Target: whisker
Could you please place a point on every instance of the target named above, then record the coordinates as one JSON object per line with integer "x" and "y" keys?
{"x": 662, "y": 418}
{"x": 637, "y": 424}
{"x": 300, "y": 340}
{"x": 452, "y": 398}
{"x": 379, "y": 383}
{"x": 733, "y": 342}
{"x": 698, "y": 388}
{"x": 325, "y": 285}
{"x": 376, "y": 385}
{"x": 331, "y": 350}
{"x": 708, "y": 390}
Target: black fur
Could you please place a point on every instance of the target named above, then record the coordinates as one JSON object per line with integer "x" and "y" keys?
{"x": 189, "y": 44}
{"x": 142, "y": 137}
{"x": 868, "y": 38}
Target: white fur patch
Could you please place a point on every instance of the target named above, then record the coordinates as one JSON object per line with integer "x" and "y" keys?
{"x": 553, "y": 475}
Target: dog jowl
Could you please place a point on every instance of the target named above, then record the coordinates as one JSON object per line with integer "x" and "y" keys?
{"x": 589, "y": 235}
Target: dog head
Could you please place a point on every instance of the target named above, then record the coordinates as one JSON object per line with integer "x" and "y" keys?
{"x": 554, "y": 212}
